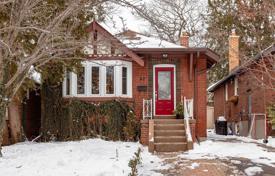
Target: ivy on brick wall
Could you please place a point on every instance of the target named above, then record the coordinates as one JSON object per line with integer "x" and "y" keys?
{"x": 73, "y": 119}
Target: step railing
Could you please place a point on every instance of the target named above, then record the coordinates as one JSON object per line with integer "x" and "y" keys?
{"x": 188, "y": 114}
{"x": 188, "y": 108}
{"x": 147, "y": 109}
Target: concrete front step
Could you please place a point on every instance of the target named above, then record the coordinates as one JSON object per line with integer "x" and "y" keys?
{"x": 169, "y": 133}
{"x": 169, "y": 139}
{"x": 171, "y": 147}
{"x": 179, "y": 126}
{"x": 168, "y": 121}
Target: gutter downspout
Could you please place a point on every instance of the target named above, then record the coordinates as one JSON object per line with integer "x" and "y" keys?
{"x": 195, "y": 93}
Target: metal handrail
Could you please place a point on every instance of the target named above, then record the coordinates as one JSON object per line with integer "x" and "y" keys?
{"x": 147, "y": 109}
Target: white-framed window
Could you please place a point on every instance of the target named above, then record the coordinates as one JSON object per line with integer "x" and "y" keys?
{"x": 226, "y": 91}
{"x": 108, "y": 78}
{"x": 236, "y": 86}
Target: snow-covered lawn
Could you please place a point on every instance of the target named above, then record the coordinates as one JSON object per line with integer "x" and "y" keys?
{"x": 96, "y": 157}
{"x": 83, "y": 158}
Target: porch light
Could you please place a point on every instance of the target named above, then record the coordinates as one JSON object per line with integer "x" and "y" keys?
{"x": 165, "y": 55}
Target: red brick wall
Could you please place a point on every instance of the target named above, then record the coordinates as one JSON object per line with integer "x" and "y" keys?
{"x": 201, "y": 98}
{"x": 193, "y": 129}
{"x": 140, "y": 78}
{"x": 144, "y": 132}
{"x": 184, "y": 85}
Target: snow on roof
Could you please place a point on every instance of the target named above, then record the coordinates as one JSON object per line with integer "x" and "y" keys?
{"x": 141, "y": 41}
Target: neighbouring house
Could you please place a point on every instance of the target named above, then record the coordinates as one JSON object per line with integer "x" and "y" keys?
{"x": 23, "y": 119}
{"x": 240, "y": 97}
{"x": 154, "y": 76}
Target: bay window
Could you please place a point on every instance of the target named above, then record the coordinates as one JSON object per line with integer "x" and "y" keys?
{"x": 100, "y": 79}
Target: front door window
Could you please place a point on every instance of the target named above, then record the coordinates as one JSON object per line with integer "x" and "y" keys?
{"x": 164, "y": 85}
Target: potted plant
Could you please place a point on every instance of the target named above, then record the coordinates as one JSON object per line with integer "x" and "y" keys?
{"x": 179, "y": 111}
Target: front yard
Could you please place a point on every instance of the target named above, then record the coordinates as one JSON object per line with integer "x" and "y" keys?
{"x": 84, "y": 158}
{"x": 222, "y": 155}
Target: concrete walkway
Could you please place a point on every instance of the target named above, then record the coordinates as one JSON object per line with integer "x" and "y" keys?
{"x": 204, "y": 167}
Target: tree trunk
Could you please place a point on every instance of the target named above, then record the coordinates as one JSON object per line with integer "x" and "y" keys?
{"x": 3, "y": 97}
{"x": 2, "y": 104}
{"x": 3, "y": 109}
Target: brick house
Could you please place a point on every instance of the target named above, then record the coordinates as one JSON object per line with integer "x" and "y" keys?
{"x": 240, "y": 98}
{"x": 151, "y": 74}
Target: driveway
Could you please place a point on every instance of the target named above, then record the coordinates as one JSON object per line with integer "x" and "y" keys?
{"x": 222, "y": 156}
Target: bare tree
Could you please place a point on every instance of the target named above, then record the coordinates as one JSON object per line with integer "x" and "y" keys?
{"x": 259, "y": 59}
{"x": 33, "y": 33}
{"x": 253, "y": 21}
{"x": 168, "y": 19}
{"x": 261, "y": 68}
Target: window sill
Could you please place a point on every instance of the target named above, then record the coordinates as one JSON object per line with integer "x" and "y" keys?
{"x": 99, "y": 99}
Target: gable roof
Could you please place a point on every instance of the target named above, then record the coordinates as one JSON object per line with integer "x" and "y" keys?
{"x": 133, "y": 43}
{"x": 241, "y": 69}
{"x": 94, "y": 26}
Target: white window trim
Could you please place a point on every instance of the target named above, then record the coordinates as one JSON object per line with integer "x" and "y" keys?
{"x": 118, "y": 64}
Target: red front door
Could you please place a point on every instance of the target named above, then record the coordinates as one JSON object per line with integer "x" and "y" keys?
{"x": 164, "y": 90}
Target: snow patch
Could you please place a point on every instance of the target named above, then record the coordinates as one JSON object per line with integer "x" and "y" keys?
{"x": 235, "y": 161}
{"x": 271, "y": 142}
{"x": 221, "y": 118}
{"x": 253, "y": 170}
{"x": 194, "y": 165}
{"x": 34, "y": 75}
{"x": 142, "y": 41}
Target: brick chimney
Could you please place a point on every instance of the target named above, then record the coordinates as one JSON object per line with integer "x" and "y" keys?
{"x": 234, "y": 58}
{"x": 184, "y": 39}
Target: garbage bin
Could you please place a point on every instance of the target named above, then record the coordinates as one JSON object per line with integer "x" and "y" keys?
{"x": 221, "y": 126}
